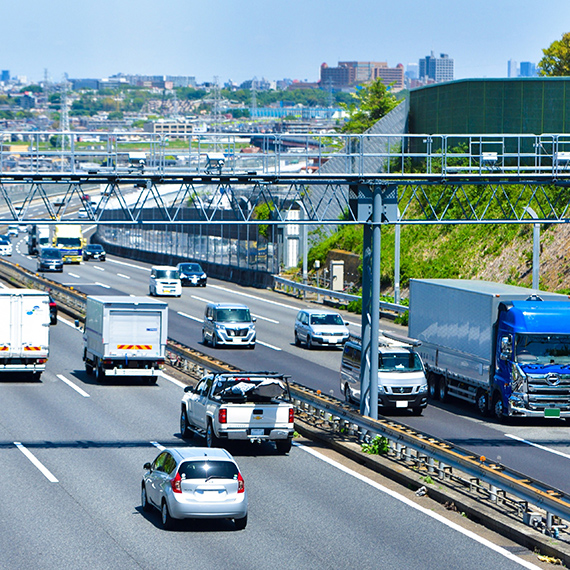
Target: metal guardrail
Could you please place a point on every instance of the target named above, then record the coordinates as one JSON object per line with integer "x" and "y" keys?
{"x": 282, "y": 284}
{"x": 438, "y": 457}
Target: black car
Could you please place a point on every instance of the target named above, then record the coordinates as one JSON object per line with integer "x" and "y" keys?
{"x": 52, "y": 311}
{"x": 192, "y": 274}
{"x": 50, "y": 259}
{"x": 94, "y": 251}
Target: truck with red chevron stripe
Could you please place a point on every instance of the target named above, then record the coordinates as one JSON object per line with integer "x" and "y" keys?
{"x": 124, "y": 337}
{"x": 24, "y": 331}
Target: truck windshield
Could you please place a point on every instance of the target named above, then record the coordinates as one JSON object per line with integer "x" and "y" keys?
{"x": 233, "y": 316}
{"x": 542, "y": 349}
{"x": 399, "y": 362}
{"x": 69, "y": 241}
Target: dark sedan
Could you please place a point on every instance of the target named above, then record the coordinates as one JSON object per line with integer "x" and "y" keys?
{"x": 192, "y": 274}
{"x": 94, "y": 251}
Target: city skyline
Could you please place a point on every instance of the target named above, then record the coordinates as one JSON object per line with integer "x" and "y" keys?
{"x": 237, "y": 42}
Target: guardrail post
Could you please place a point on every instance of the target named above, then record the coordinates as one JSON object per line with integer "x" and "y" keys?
{"x": 493, "y": 493}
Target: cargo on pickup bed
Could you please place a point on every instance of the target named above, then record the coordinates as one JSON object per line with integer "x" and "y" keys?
{"x": 254, "y": 406}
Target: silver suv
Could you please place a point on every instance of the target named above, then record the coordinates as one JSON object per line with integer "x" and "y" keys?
{"x": 316, "y": 327}
{"x": 228, "y": 324}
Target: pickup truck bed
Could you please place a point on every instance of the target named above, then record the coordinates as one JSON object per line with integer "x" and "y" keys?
{"x": 246, "y": 406}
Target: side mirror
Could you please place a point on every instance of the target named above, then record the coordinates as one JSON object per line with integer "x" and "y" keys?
{"x": 346, "y": 323}
{"x": 188, "y": 388}
{"x": 506, "y": 350}
{"x": 254, "y": 319}
{"x": 146, "y": 466}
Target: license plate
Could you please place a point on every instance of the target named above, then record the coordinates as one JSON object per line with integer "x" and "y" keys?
{"x": 552, "y": 413}
{"x": 402, "y": 404}
{"x": 257, "y": 432}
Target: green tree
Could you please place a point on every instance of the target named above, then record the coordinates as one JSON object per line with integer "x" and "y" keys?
{"x": 556, "y": 60}
{"x": 371, "y": 103}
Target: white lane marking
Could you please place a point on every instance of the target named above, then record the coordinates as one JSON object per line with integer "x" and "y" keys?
{"x": 254, "y": 297}
{"x": 200, "y": 299}
{"x": 123, "y": 276}
{"x": 174, "y": 381}
{"x": 74, "y": 275}
{"x": 2, "y": 286}
{"x": 190, "y": 317}
{"x": 102, "y": 285}
{"x": 538, "y": 446}
{"x": 265, "y": 319}
{"x": 268, "y": 345}
{"x": 98, "y": 268}
{"x": 128, "y": 264}
{"x": 74, "y": 386}
{"x": 419, "y": 508}
{"x": 157, "y": 445}
{"x": 36, "y": 462}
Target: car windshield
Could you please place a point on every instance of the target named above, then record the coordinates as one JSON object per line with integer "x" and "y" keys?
{"x": 95, "y": 247}
{"x": 51, "y": 252}
{"x": 4, "y": 240}
{"x": 326, "y": 319}
{"x": 167, "y": 274}
{"x": 399, "y": 362}
{"x": 542, "y": 349}
{"x": 190, "y": 268}
{"x": 208, "y": 469}
{"x": 233, "y": 315}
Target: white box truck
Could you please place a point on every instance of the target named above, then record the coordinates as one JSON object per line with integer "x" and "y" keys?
{"x": 125, "y": 336}
{"x": 24, "y": 331}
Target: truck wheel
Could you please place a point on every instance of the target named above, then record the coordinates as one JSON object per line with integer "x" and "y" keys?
{"x": 283, "y": 445}
{"x": 442, "y": 390}
{"x": 498, "y": 409}
{"x": 211, "y": 438}
{"x": 483, "y": 402}
{"x": 99, "y": 374}
{"x": 433, "y": 388}
{"x": 185, "y": 432}
{"x": 88, "y": 368}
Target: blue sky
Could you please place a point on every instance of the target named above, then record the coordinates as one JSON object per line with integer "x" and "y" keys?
{"x": 269, "y": 38}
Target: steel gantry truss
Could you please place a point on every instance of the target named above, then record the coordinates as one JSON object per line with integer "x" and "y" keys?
{"x": 365, "y": 179}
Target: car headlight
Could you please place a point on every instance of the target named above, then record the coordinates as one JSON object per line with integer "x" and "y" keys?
{"x": 423, "y": 389}
{"x": 317, "y": 334}
{"x": 203, "y": 276}
{"x": 381, "y": 389}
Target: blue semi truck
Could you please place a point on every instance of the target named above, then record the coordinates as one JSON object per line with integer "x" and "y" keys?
{"x": 504, "y": 348}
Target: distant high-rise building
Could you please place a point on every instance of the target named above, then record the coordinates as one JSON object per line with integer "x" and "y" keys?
{"x": 351, "y": 73}
{"x": 5, "y": 75}
{"x": 437, "y": 69}
{"x": 412, "y": 71}
{"x": 527, "y": 69}
{"x": 512, "y": 68}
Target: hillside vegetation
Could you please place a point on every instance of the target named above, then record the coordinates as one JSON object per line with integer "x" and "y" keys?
{"x": 501, "y": 253}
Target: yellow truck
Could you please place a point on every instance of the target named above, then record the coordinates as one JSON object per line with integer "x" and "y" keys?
{"x": 69, "y": 239}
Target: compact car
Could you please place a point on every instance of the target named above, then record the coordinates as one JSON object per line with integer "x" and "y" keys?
{"x": 316, "y": 327}
{"x": 94, "y": 251}
{"x": 194, "y": 482}
{"x": 192, "y": 274}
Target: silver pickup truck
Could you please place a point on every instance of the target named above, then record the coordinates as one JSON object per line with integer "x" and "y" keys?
{"x": 254, "y": 406}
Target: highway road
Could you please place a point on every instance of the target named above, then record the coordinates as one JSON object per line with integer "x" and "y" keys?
{"x": 538, "y": 448}
{"x": 72, "y": 453}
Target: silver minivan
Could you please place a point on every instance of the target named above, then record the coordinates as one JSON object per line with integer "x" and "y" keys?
{"x": 228, "y": 324}
{"x": 316, "y": 327}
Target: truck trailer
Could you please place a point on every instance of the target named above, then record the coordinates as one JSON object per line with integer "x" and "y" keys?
{"x": 38, "y": 236}
{"x": 504, "y": 348}
{"x": 124, "y": 336}
{"x": 24, "y": 331}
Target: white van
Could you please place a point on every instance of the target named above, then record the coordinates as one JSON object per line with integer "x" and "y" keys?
{"x": 401, "y": 377}
{"x": 164, "y": 280}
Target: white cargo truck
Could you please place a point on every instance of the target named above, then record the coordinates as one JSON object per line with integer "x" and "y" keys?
{"x": 124, "y": 336}
{"x": 24, "y": 331}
